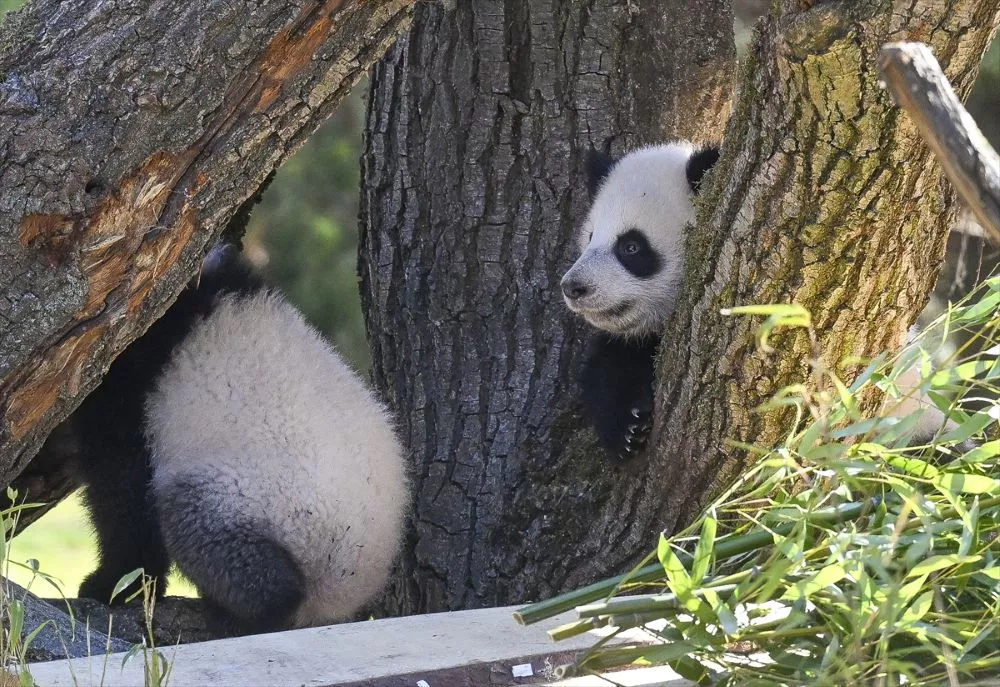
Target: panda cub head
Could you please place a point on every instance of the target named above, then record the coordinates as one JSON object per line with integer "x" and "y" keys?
{"x": 631, "y": 264}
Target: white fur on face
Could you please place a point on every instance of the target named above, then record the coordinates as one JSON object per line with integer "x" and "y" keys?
{"x": 646, "y": 190}
{"x": 255, "y": 395}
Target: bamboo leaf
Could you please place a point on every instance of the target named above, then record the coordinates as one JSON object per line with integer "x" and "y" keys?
{"x": 690, "y": 669}
{"x": 914, "y": 466}
{"x": 918, "y": 609}
{"x": 965, "y": 483}
{"x": 970, "y": 529}
{"x": 981, "y": 453}
{"x": 677, "y": 576}
{"x": 968, "y": 428}
{"x": 877, "y": 363}
{"x": 826, "y": 577}
{"x": 703, "y": 551}
{"x": 935, "y": 563}
{"x": 666, "y": 652}
{"x": 125, "y": 581}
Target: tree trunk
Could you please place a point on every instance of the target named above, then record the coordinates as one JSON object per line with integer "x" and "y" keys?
{"x": 826, "y": 197}
{"x": 472, "y": 186}
{"x": 472, "y": 179}
{"x": 130, "y": 131}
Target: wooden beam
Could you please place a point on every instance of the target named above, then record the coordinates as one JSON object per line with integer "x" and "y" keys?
{"x": 478, "y": 647}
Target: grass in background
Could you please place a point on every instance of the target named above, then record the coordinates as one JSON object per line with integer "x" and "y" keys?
{"x": 64, "y": 545}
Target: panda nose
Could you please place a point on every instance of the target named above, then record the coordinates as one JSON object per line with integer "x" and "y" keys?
{"x": 574, "y": 289}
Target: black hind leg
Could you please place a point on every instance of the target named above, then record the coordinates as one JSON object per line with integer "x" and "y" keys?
{"x": 116, "y": 474}
{"x": 249, "y": 582}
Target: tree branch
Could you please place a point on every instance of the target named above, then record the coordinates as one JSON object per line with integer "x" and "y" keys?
{"x": 130, "y": 132}
{"x": 61, "y": 636}
{"x": 75, "y": 628}
{"x": 919, "y": 87}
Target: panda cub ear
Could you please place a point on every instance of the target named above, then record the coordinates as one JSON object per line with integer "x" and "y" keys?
{"x": 698, "y": 164}
{"x": 598, "y": 166}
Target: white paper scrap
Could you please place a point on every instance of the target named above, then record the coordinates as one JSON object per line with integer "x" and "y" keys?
{"x": 522, "y": 670}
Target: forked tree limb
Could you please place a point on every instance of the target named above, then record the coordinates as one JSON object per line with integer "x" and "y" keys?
{"x": 917, "y": 84}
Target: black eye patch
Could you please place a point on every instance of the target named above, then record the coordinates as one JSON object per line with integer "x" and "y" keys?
{"x": 634, "y": 252}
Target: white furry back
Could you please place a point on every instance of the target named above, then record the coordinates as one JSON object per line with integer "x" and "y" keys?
{"x": 255, "y": 402}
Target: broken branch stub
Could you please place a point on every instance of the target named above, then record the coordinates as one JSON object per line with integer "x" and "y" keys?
{"x": 917, "y": 84}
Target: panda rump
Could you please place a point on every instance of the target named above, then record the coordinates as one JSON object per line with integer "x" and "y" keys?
{"x": 276, "y": 480}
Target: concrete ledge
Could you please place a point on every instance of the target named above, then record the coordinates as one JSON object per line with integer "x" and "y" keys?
{"x": 476, "y": 648}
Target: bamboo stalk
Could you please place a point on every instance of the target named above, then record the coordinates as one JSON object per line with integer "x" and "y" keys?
{"x": 726, "y": 548}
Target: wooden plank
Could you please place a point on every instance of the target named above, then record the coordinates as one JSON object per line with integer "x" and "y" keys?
{"x": 371, "y": 652}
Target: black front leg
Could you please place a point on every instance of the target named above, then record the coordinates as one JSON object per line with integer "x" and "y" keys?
{"x": 617, "y": 390}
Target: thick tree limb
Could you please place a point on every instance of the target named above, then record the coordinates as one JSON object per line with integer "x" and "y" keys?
{"x": 919, "y": 86}
{"x": 176, "y": 619}
{"x": 130, "y": 131}
{"x": 62, "y": 636}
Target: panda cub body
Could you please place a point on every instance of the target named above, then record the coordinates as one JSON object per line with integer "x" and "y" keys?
{"x": 626, "y": 280}
{"x": 232, "y": 440}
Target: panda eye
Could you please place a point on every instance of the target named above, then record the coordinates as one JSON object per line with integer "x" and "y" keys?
{"x": 636, "y": 255}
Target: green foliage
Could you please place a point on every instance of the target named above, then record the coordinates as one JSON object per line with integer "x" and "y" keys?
{"x": 846, "y": 556}
{"x": 155, "y": 665}
{"x": 8, "y": 5}
{"x": 14, "y": 644}
{"x": 305, "y": 230}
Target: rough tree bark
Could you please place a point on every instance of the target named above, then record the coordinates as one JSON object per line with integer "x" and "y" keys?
{"x": 477, "y": 124}
{"x": 472, "y": 184}
{"x": 130, "y": 131}
{"x": 827, "y": 197}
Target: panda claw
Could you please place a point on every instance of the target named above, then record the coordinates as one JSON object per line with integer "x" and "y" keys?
{"x": 635, "y": 413}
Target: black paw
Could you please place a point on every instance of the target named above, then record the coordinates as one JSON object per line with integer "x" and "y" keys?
{"x": 100, "y": 585}
{"x": 636, "y": 433}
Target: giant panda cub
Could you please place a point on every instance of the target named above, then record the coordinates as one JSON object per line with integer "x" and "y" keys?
{"x": 232, "y": 440}
{"x": 626, "y": 281}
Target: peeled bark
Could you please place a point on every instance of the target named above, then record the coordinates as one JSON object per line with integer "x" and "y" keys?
{"x": 130, "y": 132}
{"x": 472, "y": 175}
